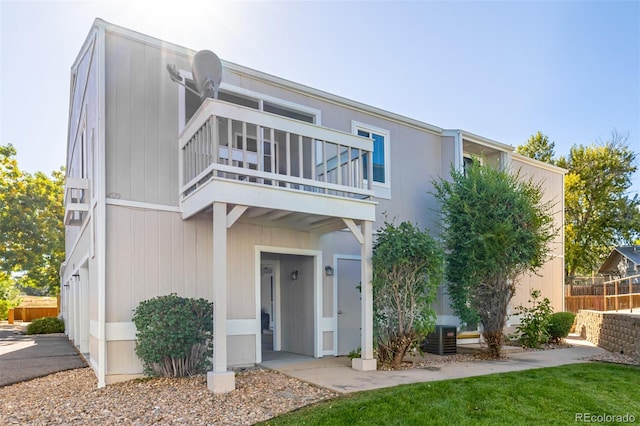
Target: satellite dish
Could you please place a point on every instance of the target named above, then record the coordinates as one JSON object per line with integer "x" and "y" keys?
{"x": 207, "y": 73}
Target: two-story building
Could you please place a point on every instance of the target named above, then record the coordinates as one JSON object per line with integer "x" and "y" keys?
{"x": 264, "y": 200}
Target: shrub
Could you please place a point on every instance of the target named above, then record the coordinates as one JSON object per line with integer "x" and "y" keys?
{"x": 174, "y": 335}
{"x": 560, "y": 324}
{"x": 407, "y": 269}
{"x": 534, "y": 321}
{"x": 355, "y": 353}
{"x": 46, "y": 325}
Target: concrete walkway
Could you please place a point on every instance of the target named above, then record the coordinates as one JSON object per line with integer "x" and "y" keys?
{"x": 25, "y": 357}
{"x": 336, "y": 373}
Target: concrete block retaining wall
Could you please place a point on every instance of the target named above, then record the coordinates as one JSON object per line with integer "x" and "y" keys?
{"x": 614, "y": 332}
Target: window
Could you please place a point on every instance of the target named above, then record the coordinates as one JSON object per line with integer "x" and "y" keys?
{"x": 252, "y": 148}
{"x": 193, "y": 101}
{"x": 467, "y": 162}
{"x": 378, "y": 156}
{"x": 380, "y": 171}
{"x": 287, "y": 112}
{"x": 189, "y": 102}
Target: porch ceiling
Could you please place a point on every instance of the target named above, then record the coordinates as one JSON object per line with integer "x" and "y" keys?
{"x": 279, "y": 207}
{"x": 278, "y": 218}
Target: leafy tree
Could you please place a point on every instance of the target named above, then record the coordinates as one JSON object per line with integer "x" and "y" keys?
{"x": 538, "y": 147}
{"x": 9, "y": 295}
{"x": 31, "y": 226}
{"x": 407, "y": 270}
{"x": 496, "y": 227}
{"x": 599, "y": 212}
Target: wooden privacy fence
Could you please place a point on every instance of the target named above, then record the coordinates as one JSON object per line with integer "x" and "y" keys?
{"x": 614, "y": 295}
{"x": 28, "y": 314}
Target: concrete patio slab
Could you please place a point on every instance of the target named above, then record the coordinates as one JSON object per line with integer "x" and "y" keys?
{"x": 335, "y": 373}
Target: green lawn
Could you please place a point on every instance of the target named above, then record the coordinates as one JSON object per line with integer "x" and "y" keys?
{"x": 534, "y": 397}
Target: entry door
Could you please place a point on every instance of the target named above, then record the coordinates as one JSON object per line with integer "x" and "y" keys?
{"x": 348, "y": 305}
{"x": 270, "y": 305}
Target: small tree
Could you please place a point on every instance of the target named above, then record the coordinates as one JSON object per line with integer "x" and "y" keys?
{"x": 407, "y": 269}
{"x": 496, "y": 227}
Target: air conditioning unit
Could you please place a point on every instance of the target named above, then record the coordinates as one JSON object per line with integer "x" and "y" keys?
{"x": 442, "y": 341}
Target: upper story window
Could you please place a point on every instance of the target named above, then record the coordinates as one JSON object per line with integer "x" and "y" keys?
{"x": 467, "y": 162}
{"x": 190, "y": 102}
{"x": 380, "y": 172}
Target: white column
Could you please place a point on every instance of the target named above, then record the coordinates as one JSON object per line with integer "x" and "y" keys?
{"x": 76, "y": 311}
{"x": 70, "y": 306}
{"x": 220, "y": 380}
{"x": 84, "y": 310}
{"x": 367, "y": 360}
{"x": 64, "y": 290}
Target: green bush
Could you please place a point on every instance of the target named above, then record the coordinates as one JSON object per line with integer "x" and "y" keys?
{"x": 4, "y": 309}
{"x": 175, "y": 335}
{"x": 46, "y": 326}
{"x": 560, "y": 324}
{"x": 534, "y": 321}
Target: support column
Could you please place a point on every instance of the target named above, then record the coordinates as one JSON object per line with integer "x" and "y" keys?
{"x": 72, "y": 309}
{"x": 367, "y": 361}
{"x": 220, "y": 380}
{"x": 83, "y": 302}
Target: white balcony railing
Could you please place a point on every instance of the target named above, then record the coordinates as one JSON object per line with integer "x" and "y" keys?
{"x": 229, "y": 141}
{"x": 76, "y": 203}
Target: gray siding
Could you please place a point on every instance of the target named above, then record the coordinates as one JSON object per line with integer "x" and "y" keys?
{"x": 152, "y": 253}
{"x": 142, "y": 123}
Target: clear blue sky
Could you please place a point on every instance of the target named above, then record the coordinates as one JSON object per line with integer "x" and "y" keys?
{"x": 503, "y": 70}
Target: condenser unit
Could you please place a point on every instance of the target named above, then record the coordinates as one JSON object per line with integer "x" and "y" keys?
{"x": 442, "y": 341}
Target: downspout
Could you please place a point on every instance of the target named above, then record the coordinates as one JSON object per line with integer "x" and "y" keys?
{"x": 101, "y": 209}
{"x": 457, "y": 151}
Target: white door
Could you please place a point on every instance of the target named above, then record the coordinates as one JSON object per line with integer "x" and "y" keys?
{"x": 348, "y": 275}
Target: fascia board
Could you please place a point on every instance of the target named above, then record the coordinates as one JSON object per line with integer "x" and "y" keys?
{"x": 486, "y": 141}
{"x": 273, "y": 80}
{"x": 538, "y": 163}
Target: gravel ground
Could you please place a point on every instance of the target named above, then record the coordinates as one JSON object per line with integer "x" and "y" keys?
{"x": 71, "y": 398}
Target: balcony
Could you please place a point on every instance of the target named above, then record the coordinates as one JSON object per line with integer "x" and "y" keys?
{"x": 242, "y": 156}
{"x": 76, "y": 204}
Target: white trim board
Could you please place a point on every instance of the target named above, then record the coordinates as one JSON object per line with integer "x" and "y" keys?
{"x": 142, "y": 205}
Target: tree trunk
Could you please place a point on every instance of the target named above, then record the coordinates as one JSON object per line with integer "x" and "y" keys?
{"x": 491, "y": 300}
{"x": 494, "y": 343}
{"x": 401, "y": 350}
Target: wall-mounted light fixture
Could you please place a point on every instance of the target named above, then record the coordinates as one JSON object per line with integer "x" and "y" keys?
{"x": 328, "y": 270}
{"x": 294, "y": 275}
